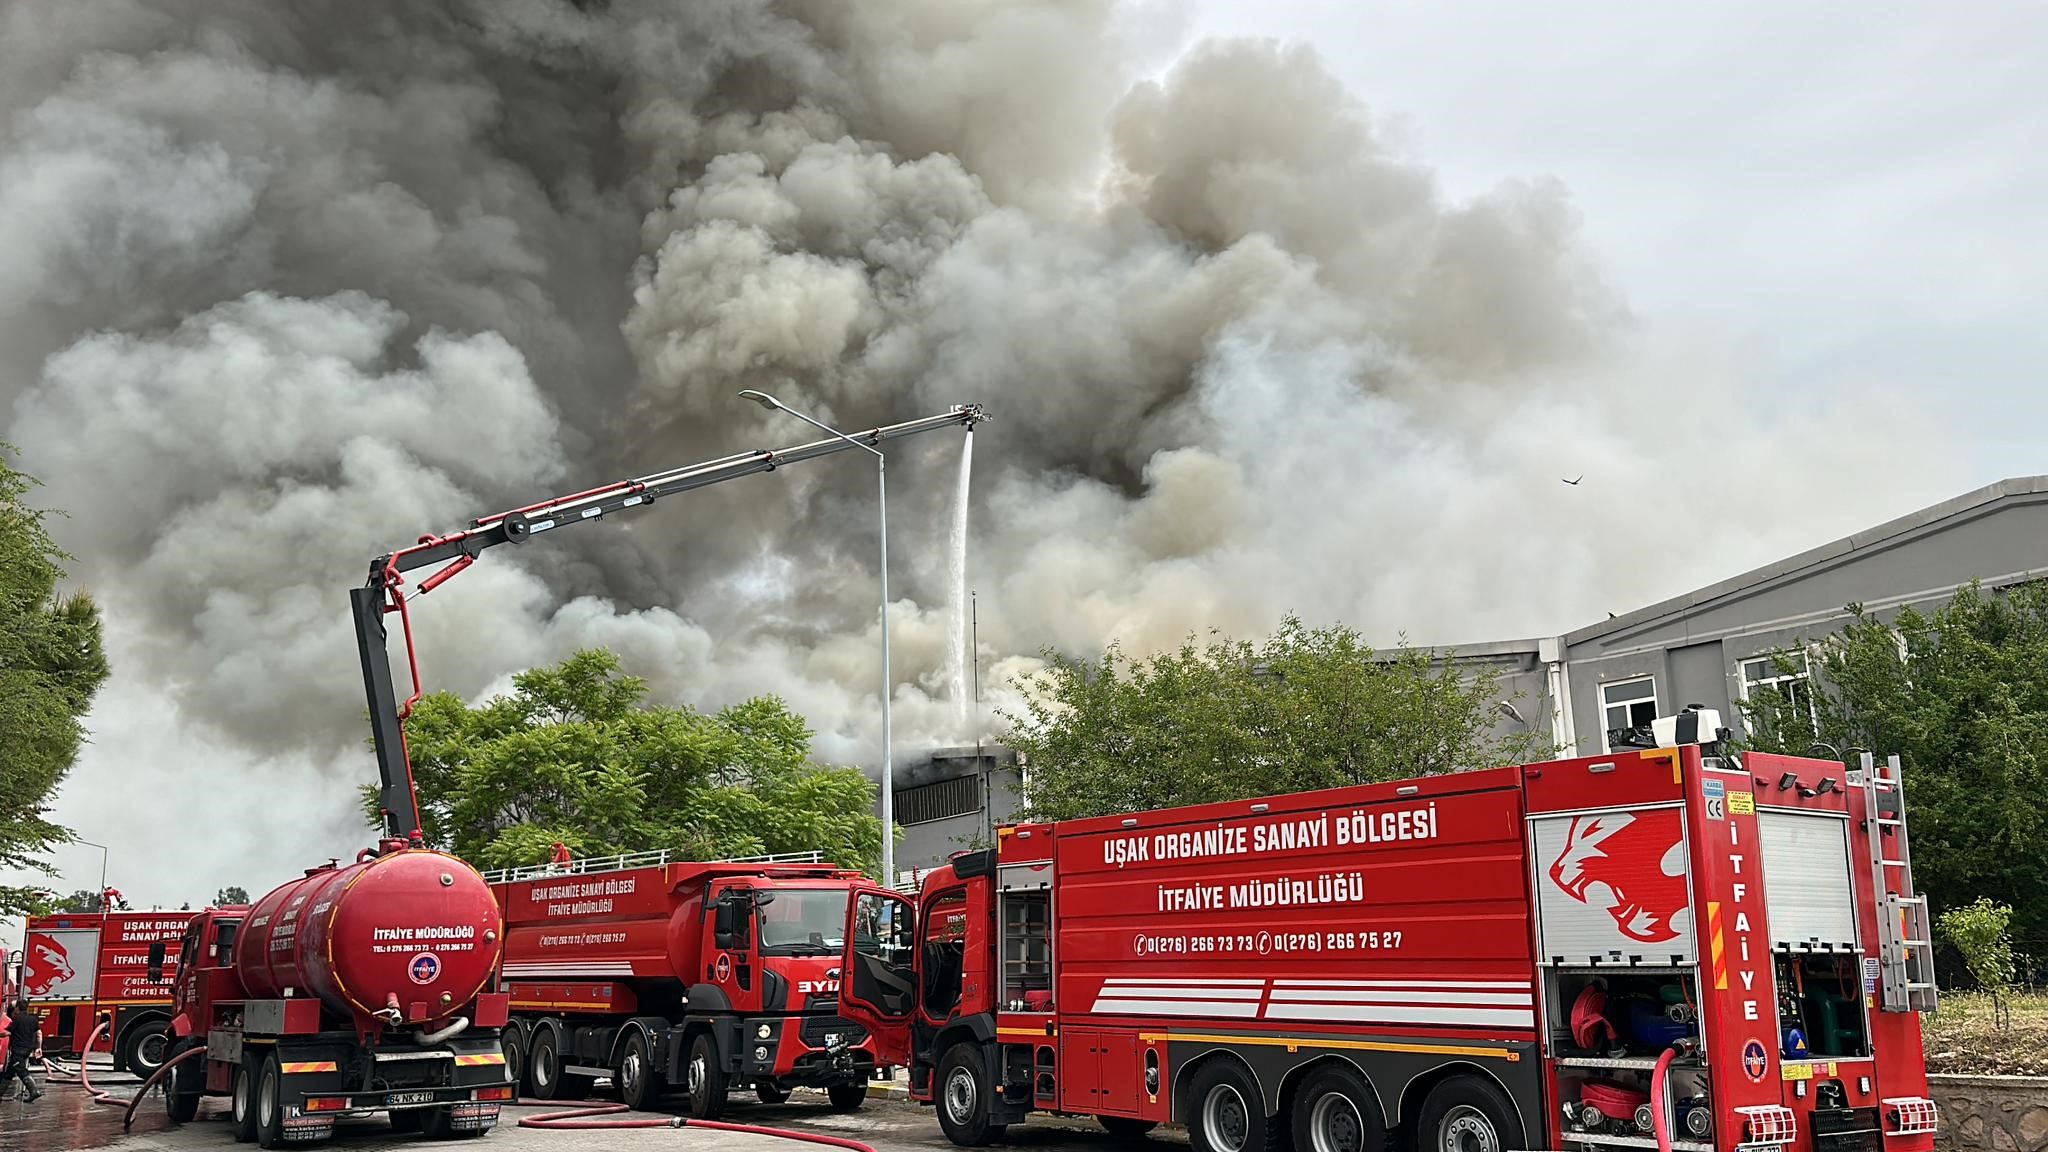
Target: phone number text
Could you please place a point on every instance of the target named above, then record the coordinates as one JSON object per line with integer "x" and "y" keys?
{"x": 1266, "y": 943}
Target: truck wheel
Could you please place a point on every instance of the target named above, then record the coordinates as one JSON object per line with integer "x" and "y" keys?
{"x": 963, "y": 1098}
{"x": 705, "y": 1079}
{"x": 146, "y": 1047}
{"x": 1335, "y": 1111}
{"x": 1227, "y": 1113}
{"x": 1127, "y": 1128}
{"x": 513, "y": 1041}
{"x": 439, "y": 1124}
{"x": 270, "y": 1104}
{"x": 242, "y": 1102}
{"x": 770, "y": 1092}
{"x": 544, "y": 1070}
{"x": 635, "y": 1074}
{"x": 188, "y": 1080}
{"x": 847, "y": 1097}
{"x": 1467, "y": 1114}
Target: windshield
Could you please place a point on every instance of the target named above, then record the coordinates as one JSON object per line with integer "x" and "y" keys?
{"x": 804, "y": 922}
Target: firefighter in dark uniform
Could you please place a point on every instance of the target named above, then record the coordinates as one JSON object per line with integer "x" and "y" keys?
{"x": 24, "y": 1043}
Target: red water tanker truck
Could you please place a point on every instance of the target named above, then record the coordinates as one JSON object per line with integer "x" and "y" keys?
{"x": 699, "y": 977}
{"x": 349, "y": 991}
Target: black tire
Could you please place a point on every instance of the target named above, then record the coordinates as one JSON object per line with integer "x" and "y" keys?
{"x": 963, "y": 1098}
{"x": 634, "y": 1077}
{"x": 146, "y": 1046}
{"x": 770, "y": 1092}
{"x": 405, "y": 1120}
{"x": 544, "y": 1068}
{"x": 186, "y": 1082}
{"x": 439, "y": 1124}
{"x": 513, "y": 1041}
{"x": 242, "y": 1101}
{"x": 1467, "y": 1114}
{"x": 270, "y": 1104}
{"x": 1336, "y": 1111}
{"x": 1128, "y": 1127}
{"x": 1226, "y": 1111}
{"x": 704, "y": 1078}
{"x": 847, "y": 1097}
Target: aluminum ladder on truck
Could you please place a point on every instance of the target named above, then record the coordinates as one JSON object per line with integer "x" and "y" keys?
{"x": 1904, "y": 929}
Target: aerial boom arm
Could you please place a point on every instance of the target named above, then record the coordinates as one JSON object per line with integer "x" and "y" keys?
{"x": 384, "y": 592}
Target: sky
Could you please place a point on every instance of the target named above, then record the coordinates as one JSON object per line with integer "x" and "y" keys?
{"x": 1856, "y": 196}
{"x": 1843, "y": 210}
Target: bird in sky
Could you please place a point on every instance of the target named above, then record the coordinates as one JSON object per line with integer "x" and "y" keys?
{"x": 1575, "y": 482}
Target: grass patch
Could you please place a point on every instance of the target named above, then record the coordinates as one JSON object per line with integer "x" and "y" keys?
{"x": 1962, "y": 1037}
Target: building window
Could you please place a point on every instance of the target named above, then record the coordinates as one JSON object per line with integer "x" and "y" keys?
{"x": 941, "y": 800}
{"x": 1627, "y": 705}
{"x": 1787, "y": 672}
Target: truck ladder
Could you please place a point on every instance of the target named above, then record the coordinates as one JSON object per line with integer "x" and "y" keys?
{"x": 1905, "y": 936}
{"x": 626, "y": 860}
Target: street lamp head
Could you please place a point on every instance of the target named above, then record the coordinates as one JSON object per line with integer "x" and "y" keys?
{"x": 761, "y": 398}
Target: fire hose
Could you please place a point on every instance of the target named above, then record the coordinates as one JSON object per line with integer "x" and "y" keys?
{"x": 579, "y": 1118}
{"x": 1658, "y": 1120}
{"x": 52, "y": 1071}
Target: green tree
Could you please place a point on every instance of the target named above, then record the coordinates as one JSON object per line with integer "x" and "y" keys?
{"x": 230, "y": 895}
{"x": 90, "y": 902}
{"x": 1961, "y": 696}
{"x": 575, "y": 755}
{"x": 1305, "y": 708}
{"x": 1978, "y": 930}
{"x": 52, "y": 661}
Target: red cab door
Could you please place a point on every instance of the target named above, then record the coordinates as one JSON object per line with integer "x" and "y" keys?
{"x": 879, "y": 987}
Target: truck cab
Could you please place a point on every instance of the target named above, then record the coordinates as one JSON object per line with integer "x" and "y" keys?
{"x": 208, "y": 943}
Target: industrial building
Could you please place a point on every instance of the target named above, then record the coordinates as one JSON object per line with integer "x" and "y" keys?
{"x": 1711, "y": 647}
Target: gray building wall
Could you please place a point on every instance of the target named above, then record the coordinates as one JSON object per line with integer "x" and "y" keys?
{"x": 1695, "y": 645}
{"x": 991, "y": 783}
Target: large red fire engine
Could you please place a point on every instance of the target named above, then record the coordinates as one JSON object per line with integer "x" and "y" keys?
{"x": 699, "y": 976}
{"x": 80, "y": 968}
{"x": 1666, "y": 945}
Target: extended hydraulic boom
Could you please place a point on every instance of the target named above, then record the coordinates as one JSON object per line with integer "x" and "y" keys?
{"x": 384, "y": 592}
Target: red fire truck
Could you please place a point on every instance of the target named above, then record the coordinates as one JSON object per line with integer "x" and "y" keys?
{"x": 668, "y": 974}
{"x": 79, "y": 967}
{"x": 1668, "y": 944}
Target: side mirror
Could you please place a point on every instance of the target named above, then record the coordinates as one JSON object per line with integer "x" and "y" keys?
{"x": 156, "y": 961}
{"x": 722, "y": 925}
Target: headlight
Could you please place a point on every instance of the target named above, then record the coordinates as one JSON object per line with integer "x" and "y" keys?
{"x": 763, "y": 1032}
{"x": 761, "y": 1053}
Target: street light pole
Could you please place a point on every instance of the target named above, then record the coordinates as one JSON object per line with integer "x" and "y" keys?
{"x": 101, "y": 950}
{"x": 888, "y": 683}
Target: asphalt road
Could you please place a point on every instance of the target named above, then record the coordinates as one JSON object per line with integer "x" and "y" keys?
{"x": 65, "y": 1118}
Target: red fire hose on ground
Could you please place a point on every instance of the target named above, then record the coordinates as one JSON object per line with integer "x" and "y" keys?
{"x": 52, "y": 1072}
{"x": 582, "y": 1118}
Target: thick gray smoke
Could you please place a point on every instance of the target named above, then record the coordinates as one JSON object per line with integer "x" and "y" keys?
{"x": 283, "y": 287}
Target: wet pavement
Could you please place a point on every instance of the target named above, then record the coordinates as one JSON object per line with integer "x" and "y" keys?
{"x": 66, "y": 1118}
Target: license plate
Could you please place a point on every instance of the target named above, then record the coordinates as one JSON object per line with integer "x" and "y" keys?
{"x": 396, "y": 1098}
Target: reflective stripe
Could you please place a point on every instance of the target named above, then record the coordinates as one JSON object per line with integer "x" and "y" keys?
{"x": 308, "y": 1066}
{"x": 474, "y": 1059}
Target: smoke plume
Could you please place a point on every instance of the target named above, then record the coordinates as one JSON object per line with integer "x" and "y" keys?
{"x": 284, "y": 287}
